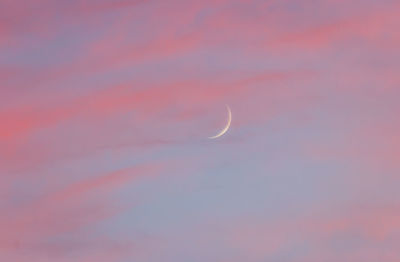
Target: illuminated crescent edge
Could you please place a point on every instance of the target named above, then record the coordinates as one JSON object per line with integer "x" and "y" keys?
{"x": 223, "y": 131}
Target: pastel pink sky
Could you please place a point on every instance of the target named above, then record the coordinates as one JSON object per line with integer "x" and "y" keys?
{"x": 106, "y": 106}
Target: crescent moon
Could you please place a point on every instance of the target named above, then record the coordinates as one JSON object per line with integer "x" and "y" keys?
{"x": 223, "y": 131}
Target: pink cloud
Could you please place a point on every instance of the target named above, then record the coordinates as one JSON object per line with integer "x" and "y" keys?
{"x": 33, "y": 228}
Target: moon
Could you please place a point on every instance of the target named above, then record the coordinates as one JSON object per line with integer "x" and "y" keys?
{"x": 228, "y": 124}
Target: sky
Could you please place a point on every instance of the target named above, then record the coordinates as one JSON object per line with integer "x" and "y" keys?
{"x": 106, "y": 107}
